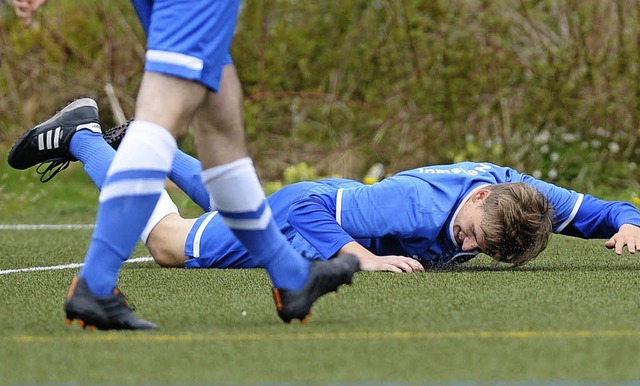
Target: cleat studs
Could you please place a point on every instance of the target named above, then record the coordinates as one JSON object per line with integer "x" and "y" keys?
{"x": 92, "y": 328}
{"x": 82, "y": 324}
{"x": 68, "y": 321}
{"x": 304, "y": 321}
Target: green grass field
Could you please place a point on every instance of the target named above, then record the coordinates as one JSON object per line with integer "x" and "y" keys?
{"x": 570, "y": 317}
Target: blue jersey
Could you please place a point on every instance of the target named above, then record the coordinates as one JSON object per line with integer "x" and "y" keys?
{"x": 409, "y": 214}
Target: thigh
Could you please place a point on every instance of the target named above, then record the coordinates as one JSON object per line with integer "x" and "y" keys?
{"x": 189, "y": 39}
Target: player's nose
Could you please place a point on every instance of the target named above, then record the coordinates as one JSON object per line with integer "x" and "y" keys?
{"x": 468, "y": 244}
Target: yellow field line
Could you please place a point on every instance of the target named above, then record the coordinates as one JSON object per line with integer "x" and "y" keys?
{"x": 391, "y": 335}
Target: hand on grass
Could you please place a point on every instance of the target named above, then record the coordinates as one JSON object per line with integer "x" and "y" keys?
{"x": 390, "y": 263}
{"x": 628, "y": 235}
{"x": 397, "y": 264}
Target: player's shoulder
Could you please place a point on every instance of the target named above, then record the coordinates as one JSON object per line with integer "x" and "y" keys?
{"x": 467, "y": 169}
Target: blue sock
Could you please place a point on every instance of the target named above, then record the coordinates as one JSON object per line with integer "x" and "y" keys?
{"x": 130, "y": 192}
{"x": 186, "y": 174}
{"x": 94, "y": 153}
{"x": 239, "y": 198}
{"x": 96, "y": 156}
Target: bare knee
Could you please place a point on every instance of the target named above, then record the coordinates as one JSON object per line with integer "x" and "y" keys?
{"x": 165, "y": 258}
{"x": 167, "y": 239}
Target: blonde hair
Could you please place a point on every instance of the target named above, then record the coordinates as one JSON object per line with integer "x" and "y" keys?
{"x": 517, "y": 223}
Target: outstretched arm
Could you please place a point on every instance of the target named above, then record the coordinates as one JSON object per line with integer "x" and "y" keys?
{"x": 586, "y": 216}
{"x": 612, "y": 220}
{"x": 628, "y": 235}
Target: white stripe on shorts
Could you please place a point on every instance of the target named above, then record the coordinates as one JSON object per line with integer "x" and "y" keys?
{"x": 198, "y": 236}
{"x": 182, "y": 60}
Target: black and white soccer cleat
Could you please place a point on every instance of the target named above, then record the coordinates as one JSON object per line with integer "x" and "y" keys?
{"x": 48, "y": 142}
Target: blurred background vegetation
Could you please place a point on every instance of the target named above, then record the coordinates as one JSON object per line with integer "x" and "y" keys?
{"x": 550, "y": 87}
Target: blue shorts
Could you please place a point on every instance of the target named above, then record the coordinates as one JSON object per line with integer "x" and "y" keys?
{"x": 210, "y": 243}
{"x": 189, "y": 39}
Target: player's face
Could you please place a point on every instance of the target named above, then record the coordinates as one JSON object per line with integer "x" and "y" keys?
{"x": 467, "y": 228}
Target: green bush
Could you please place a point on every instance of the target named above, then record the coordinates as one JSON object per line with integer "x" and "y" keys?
{"x": 548, "y": 87}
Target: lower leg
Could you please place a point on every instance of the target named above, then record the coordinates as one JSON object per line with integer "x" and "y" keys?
{"x": 236, "y": 192}
{"x": 93, "y": 152}
{"x": 137, "y": 174}
{"x": 129, "y": 194}
{"x": 185, "y": 173}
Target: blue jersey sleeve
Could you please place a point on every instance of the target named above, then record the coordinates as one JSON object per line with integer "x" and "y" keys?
{"x": 565, "y": 202}
{"x": 313, "y": 217}
{"x": 601, "y": 219}
{"x": 402, "y": 207}
{"x": 583, "y": 215}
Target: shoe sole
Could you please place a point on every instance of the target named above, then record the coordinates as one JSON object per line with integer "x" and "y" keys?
{"x": 115, "y": 135}
{"x": 278, "y": 299}
{"x": 81, "y": 323}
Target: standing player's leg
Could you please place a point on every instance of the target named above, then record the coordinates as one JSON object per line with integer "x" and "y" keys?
{"x": 166, "y": 102}
{"x": 202, "y": 55}
{"x": 66, "y": 137}
{"x": 231, "y": 179}
{"x": 128, "y": 197}
{"x": 135, "y": 180}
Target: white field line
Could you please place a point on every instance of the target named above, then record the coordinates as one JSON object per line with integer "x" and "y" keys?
{"x": 33, "y": 227}
{"x": 66, "y": 266}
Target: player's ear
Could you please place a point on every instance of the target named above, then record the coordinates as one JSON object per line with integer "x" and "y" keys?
{"x": 481, "y": 194}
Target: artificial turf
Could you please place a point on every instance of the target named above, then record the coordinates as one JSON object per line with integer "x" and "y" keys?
{"x": 570, "y": 316}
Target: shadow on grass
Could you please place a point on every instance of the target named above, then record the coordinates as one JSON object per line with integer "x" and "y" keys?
{"x": 555, "y": 268}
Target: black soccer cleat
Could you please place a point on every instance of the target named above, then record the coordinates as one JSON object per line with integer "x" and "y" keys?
{"x": 102, "y": 312}
{"x": 48, "y": 142}
{"x": 114, "y": 135}
{"x": 324, "y": 277}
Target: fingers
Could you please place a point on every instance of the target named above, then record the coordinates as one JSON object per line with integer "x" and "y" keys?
{"x": 23, "y": 10}
{"x": 406, "y": 264}
{"x": 632, "y": 246}
{"x": 35, "y": 4}
{"x": 391, "y": 268}
{"x": 416, "y": 266}
{"x": 26, "y": 8}
{"x": 617, "y": 243}
{"x": 397, "y": 264}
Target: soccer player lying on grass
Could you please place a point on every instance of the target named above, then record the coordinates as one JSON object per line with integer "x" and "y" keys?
{"x": 429, "y": 217}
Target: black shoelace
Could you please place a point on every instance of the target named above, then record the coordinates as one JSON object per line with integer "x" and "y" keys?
{"x": 52, "y": 168}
